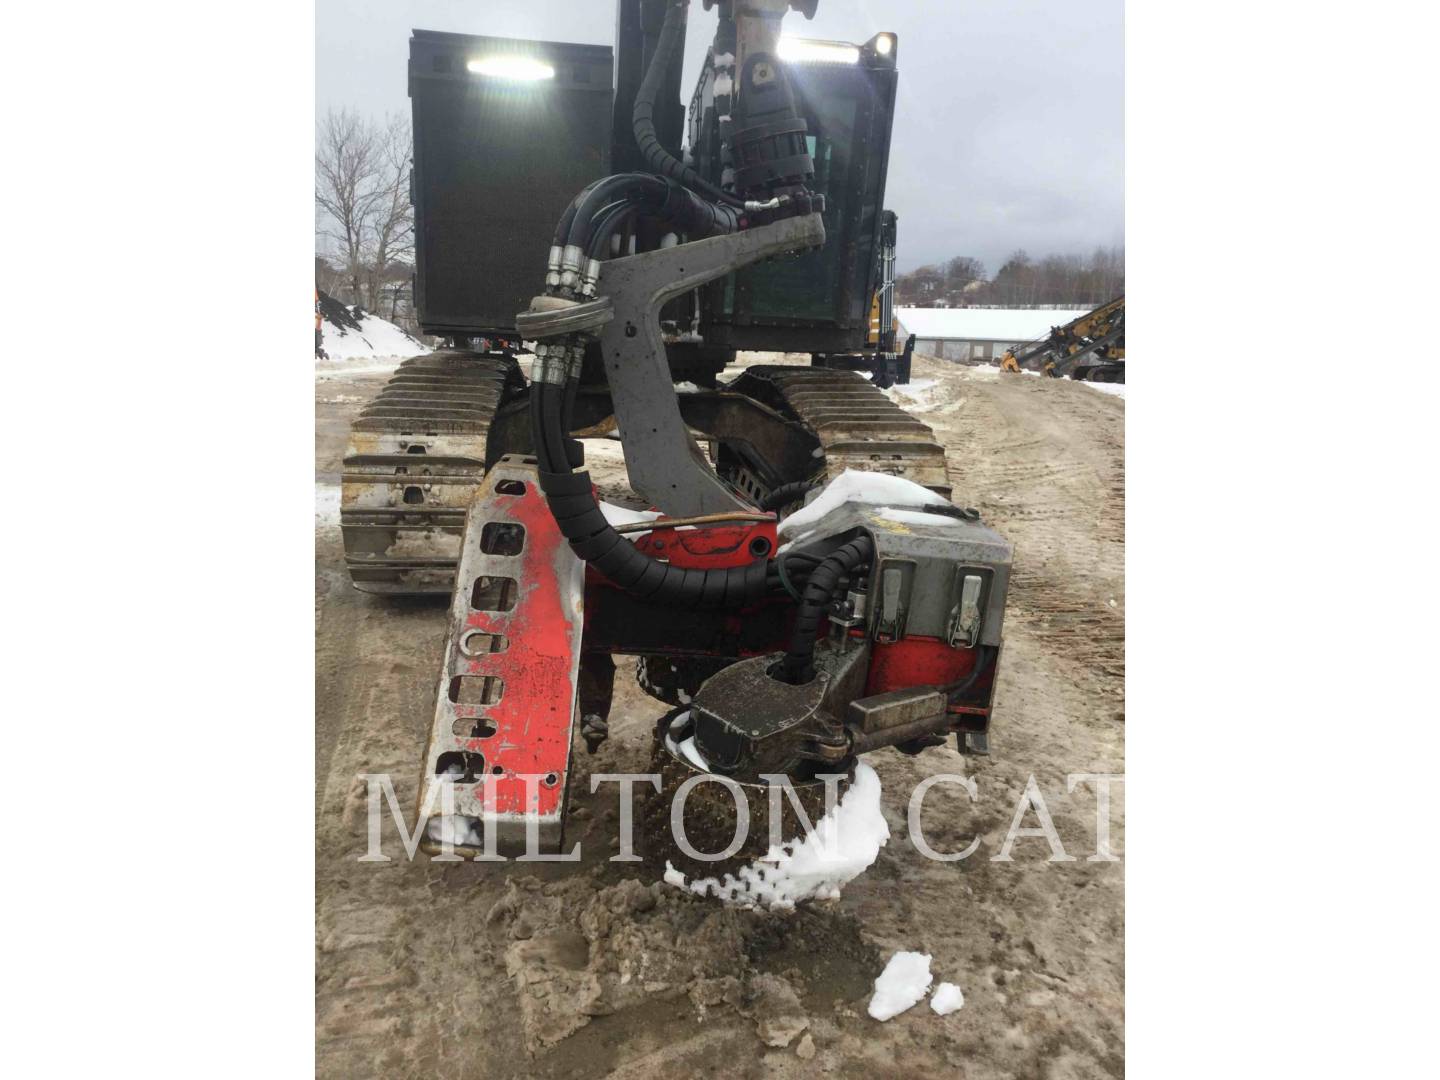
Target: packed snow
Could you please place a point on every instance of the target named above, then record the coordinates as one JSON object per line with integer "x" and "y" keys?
{"x": 854, "y": 486}
{"x": 904, "y": 982}
{"x": 842, "y": 846}
{"x": 916, "y": 517}
{"x": 946, "y": 999}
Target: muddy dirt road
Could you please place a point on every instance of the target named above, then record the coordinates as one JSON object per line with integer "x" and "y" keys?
{"x": 506, "y": 970}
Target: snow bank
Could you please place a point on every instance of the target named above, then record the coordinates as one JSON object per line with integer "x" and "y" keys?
{"x": 841, "y": 847}
{"x": 904, "y": 982}
{"x": 946, "y": 999}
{"x": 854, "y": 486}
{"x": 374, "y": 338}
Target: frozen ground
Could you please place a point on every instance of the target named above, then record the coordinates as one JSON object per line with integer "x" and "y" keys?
{"x": 588, "y": 970}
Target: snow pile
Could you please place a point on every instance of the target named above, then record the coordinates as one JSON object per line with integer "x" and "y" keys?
{"x": 946, "y": 999}
{"x": 841, "y": 847}
{"x": 368, "y": 337}
{"x": 854, "y": 486}
{"x": 904, "y": 982}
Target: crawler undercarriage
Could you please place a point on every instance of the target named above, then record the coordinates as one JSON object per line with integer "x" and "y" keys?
{"x": 803, "y": 591}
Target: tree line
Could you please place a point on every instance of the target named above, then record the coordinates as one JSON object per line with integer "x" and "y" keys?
{"x": 1073, "y": 281}
{"x": 364, "y": 224}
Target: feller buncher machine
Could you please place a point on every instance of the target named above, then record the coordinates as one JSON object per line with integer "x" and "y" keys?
{"x": 1090, "y": 347}
{"x": 570, "y": 207}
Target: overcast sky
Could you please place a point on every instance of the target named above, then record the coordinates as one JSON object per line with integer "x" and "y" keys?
{"x": 1009, "y": 131}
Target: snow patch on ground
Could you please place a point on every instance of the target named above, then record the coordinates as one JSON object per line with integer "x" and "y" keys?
{"x": 918, "y": 395}
{"x": 1111, "y": 388}
{"x": 327, "y": 504}
{"x": 841, "y": 847}
{"x": 328, "y": 369}
{"x": 992, "y": 370}
{"x": 946, "y": 999}
{"x": 854, "y": 486}
{"x": 904, "y": 982}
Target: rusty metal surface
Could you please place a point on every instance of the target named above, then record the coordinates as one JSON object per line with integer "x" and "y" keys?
{"x": 858, "y": 426}
{"x": 511, "y": 742}
{"x": 414, "y": 460}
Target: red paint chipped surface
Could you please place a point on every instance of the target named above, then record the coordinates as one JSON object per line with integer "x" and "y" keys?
{"x": 532, "y": 717}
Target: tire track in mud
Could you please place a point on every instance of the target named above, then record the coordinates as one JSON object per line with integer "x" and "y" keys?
{"x": 1043, "y": 460}
{"x": 414, "y": 971}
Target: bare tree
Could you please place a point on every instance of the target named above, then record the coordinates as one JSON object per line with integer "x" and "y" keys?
{"x": 961, "y": 271}
{"x": 392, "y": 222}
{"x": 1068, "y": 280}
{"x": 346, "y": 162}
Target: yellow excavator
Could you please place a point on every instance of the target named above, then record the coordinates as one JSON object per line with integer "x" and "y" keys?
{"x": 1091, "y": 347}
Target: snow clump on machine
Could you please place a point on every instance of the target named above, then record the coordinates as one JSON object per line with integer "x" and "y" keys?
{"x": 842, "y": 846}
{"x": 864, "y": 488}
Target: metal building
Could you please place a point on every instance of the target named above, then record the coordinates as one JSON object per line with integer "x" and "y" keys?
{"x": 977, "y": 335}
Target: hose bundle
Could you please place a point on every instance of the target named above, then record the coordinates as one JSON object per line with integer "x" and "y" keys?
{"x": 824, "y": 581}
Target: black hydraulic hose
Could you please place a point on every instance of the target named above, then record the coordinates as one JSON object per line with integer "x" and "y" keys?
{"x": 622, "y": 186}
{"x": 574, "y": 448}
{"x": 562, "y": 228}
{"x": 642, "y": 117}
{"x": 667, "y": 200}
{"x": 572, "y": 503}
{"x": 983, "y": 661}
{"x": 799, "y": 663}
{"x": 786, "y": 494}
{"x": 609, "y": 220}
